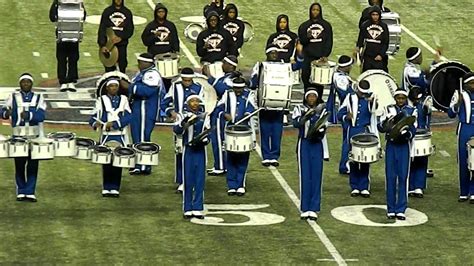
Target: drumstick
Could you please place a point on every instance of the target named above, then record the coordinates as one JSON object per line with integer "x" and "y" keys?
{"x": 98, "y": 120}
{"x": 248, "y": 116}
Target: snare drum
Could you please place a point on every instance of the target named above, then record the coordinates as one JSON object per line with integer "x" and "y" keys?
{"x": 167, "y": 64}
{"x": 101, "y": 154}
{"x": 42, "y": 148}
{"x": 124, "y": 157}
{"x": 383, "y": 87}
{"x": 84, "y": 148}
{"x": 64, "y": 143}
{"x": 192, "y": 31}
{"x": 321, "y": 73}
{"x": 215, "y": 69}
{"x": 147, "y": 153}
{"x": 470, "y": 154}
{"x": 18, "y": 147}
{"x": 365, "y": 148}
{"x": 422, "y": 143}
{"x": 275, "y": 85}
{"x": 238, "y": 138}
{"x": 70, "y": 20}
{"x": 3, "y": 147}
{"x": 392, "y": 20}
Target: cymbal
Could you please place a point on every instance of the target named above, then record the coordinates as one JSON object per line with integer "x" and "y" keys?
{"x": 402, "y": 124}
{"x": 109, "y": 59}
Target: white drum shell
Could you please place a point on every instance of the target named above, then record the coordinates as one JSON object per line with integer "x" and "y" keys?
{"x": 384, "y": 86}
{"x": 470, "y": 154}
{"x": 4, "y": 147}
{"x": 147, "y": 158}
{"x": 65, "y": 147}
{"x": 322, "y": 74}
{"x": 295, "y": 77}
{"x": 275, "y": 85}
{"x": 422, "y": 145}
{"x": 168, "y": 68}
{"x": 101, "y": 157}
{"x": 70, "y": 21}
{"x": 240, "y": 141}
{"x": 83, "y": 153}
{"x": 18, "y": 149}
{"x": 124, "y": 161}
{"x": 364, "y": 152}
{"x": 392, "y": 20}
{"x": 178, "y": 142}
{"x": 192, "y": 30}
{"x": 42, "y": 150}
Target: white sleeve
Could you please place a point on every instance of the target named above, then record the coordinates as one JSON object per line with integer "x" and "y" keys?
{"x": 152, "y": 78}
{"x": 341, "y": 82}
{"x": 413, "y": 72}
{"x": 41, "y": 103}
{"x": 9, "y": 101}
{"x": 296, "y": 112}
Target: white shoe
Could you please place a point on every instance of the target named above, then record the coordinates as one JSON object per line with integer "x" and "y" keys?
{"x": 114, "y": 192}
{"x": 471, "y": 197}
{"x": 31, "y": 198}
{"x": 198, "y": 214}
{"x": 71, "y": 86}
{"x": 231, "y": 192}
{"x": 63, "y": 87}
{"x": 304, "y": 215}
{"x": 418, "y": 191}
{"x": 355, "y": 193}
{"x": 365, "y": 193}
{"x": 312, "y": 215}
{"x": 240, "y": 190}
{"x": 104, "y": 192}
{"x": 188, "y": 214}
{"x": 180, "y": 188}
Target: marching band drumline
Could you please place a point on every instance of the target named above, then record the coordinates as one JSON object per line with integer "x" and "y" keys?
{"x": 220, "y": 110}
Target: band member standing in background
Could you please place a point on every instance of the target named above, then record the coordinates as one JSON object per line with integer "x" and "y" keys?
{"x": 144, "y": 92}
{"x": 221, "y": 85}
{"x": 309, "y": 152}
{"x": 316, "y": 37}
{"x": 373, "y": 40}
{"x": 366, "y": 12}
{"x": 214, "y": 43}
{"x": 67, "y": 54}
{"x": 193, "y": 126}
{"x": 112, "y": 116}
{"x": 235, "y": 105}
{"x": 284, "y": 39}
{"x": 271, "y": 119}
{"x": 174, "y": 104}
{"x": 161, "y": 36}
{"x": 215, "y": 6}
{"x": 463, "y": 107}
{"x": 419, "y": 164}
{"x": 357, "y": 114}
{"x": 397, "y": 155}
{"x": 413, "y": 75}
{"x": 26, "y": 110}
{"x": 341, "y": 87}
{"x": 231, "y": 23}
{"x": 120, "y": 19}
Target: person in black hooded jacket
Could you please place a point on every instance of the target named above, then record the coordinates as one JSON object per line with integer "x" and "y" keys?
{"x": 160, "y": 35}
{"x": 373, "y": 41}
{"x": 365, "y": 13}
{"x": 233, "y": 25}
{"x": 120, "y": 19}
{"x": 284, "y": 39}
{"x": 214, "y": 43}
{"x": 316, "y": 37}
{"x": 216, "y": 6}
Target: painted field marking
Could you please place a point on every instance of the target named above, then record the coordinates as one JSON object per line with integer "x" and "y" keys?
{"x": 444, "y": 153}
{"x": 36, "y": 54}
{"x": 44, "y": 75}
{"x": 87, "y": 54}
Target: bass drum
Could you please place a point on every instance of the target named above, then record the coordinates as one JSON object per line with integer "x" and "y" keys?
{"x": 248, "y": 31}
{"x": 123, "y": 78}
{"x": 445, "y": 80}
{"x": 210, "y": 96}
{"x": 192, "y": 31}
{"x": 382, "y": 85}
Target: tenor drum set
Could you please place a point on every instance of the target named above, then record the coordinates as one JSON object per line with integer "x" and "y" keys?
{"x": 70, "y": 20}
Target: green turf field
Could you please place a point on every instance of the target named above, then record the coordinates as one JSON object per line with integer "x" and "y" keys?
{"x": 72, "y": 223}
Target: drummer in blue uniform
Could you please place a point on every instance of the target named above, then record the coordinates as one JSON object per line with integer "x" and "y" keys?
{"x": 309, "y": 151}
{"x": 27, "y": 110}
{"x": 271, "y": 119}
{"x": 235, "y": 105}
{"x": 357, "y": 114}
{"x": 419, "y": 164}
{"x": 463, "y": 107}
{"x": 194, "y": 126}
{"x": 397, "y": 154}
{"x": 144, "y": 93}
{"x": 221, "y": 85}
{"x": 112, "y": 116}
{"x": 174, "y": 103}
{"x": 341, "y": 87}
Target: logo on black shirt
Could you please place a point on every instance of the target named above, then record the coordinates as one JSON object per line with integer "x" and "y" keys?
{"x": 282, "y": 41}
{"x": 118, "y": 19}
{"x": 374, "y": 31}
{"x": 163, "y": 34}
{"x": 214, "y": 40}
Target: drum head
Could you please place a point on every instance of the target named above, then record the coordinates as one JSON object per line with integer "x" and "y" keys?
{"x": 85, "y": 142}
{"x": 238, "y": 128}
{"x": 248, "y": 31}
{"x": 61, "y": 135}
{"x": 123, "y": 78}
{"x": 367, "y": 139}
{"x": 166, "y": 56}
{"x": 192, "y": 31}
{"x": 422, "y": 131}
{"x": 124, "y": 151}
{"x": 102, "y": 149}
{"x": 17, "y": 140}
{"x": 445, "y": 80}
{"x": 151, "y": 147}
{"x": 382, "y": 85}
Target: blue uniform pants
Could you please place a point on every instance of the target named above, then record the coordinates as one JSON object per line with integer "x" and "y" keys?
{"x": 178, "y": 174}
{"x": 111, "y": 175}
{"x": 344, "y": 162}
{"x": 310, "y": 166}
{"x": 271, "y": 129}
{"x": 466, "y": 182}
{"x": 26, "y": 182}
{"x": 397, "y": 166}
{"x": 418, "y": 168}
{"x": 141, "y": 130}
{"x": 194, "y": 164}
{"x": 217, "y": 137}
{"x": 237, "y": 163}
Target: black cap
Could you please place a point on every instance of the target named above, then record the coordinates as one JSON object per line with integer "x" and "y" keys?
{"x": 345, "y": 60}
{"x": 187, "y": 72}
{"x": 412, "y": 53}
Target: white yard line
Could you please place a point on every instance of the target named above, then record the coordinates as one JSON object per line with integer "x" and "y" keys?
{"x": 86, "y": 54}
{"x": 44, "y": 75}
{"x": 36, "y": 54}
{"x": 316, "y": 228}
{"x": 420, "y": 41}
{"x": 444, "y": 153}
